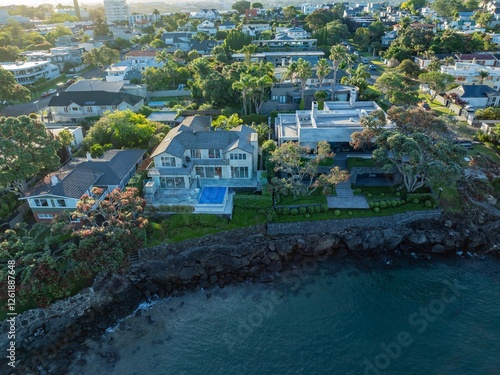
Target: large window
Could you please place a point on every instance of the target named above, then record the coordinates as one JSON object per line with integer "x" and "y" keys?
{"x": 214, "y": 154}
{"x": 167, "y": 161}
{"x": 239, "y": 156}
{"x": 209, "y": 172}
{"x": 41, "y": 203}
{"x": 45, "y": 216}
{"x": 60, "y": 203}
{"x": 239, "y": 172}
{"x": 195, "y": 154}
{"x": 172, "y": 182}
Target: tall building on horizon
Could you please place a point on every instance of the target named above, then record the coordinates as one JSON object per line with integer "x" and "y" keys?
{"x": 77, "y": 9}
{"x": 116, "y": 10}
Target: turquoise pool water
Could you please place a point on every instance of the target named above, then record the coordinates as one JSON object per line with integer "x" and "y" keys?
{"x": 212, "y": 195}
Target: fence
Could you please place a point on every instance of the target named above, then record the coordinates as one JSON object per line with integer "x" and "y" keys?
{"x": 337, "y": 225}
{"x": 168, "y": 93}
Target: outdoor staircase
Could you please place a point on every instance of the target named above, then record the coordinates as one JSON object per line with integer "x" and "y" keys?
{"x": 489, "y": 246}
{"x": 134, "y": 259}
{"x": 344, "y": 190}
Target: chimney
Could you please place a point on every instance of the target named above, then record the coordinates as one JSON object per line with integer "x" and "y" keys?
{"x": 89, "y": 157}
{"x": 54, "y": 180}
{"x": 352, "y": 97}
{"x": 314, "y": 109}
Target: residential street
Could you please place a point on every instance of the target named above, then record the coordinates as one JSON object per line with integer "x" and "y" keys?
{"x": 30, "y": 107}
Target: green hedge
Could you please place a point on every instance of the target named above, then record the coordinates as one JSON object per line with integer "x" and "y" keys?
{"x": 252, "y": 201}
{"x": 175, "y": 208}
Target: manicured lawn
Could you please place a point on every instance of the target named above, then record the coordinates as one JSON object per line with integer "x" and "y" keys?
{"x": 486, "y": 151}
{"x": 248, "y": 210}
{"x": 315, "y": 198}
{"x": 47, "y": 85}
{"x": 326, "y": 162}
{"x": 360, "y": 162}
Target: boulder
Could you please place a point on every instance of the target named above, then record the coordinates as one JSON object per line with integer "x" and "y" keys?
{"x": 187, "y": 273}
{"x": 438, "y": 249}
{"x": 417, "y": 238}
{"x": 275, "y": 267}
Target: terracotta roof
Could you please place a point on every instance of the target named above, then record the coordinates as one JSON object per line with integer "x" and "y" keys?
{"x": 141, "y": 53}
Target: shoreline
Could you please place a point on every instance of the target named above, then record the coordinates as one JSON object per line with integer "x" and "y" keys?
{"x": 54, "y": 338}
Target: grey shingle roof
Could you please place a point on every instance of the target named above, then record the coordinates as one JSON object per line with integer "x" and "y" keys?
{"x": 83, "y": 98}
{"x": 96, "y": 85}
{"x": 473, "y": 91}
{"x": 109, "y": 170}
{"x": 72, "y": 185}
{"x": 183, "y": 137}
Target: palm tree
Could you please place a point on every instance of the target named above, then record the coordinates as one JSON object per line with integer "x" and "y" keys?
{"x": 261, "y": 84}
{"x": 304, "y": 72}
{"x": 156, "y": 13}
{"x": 162, "y": 56}
{"x": 320, "y": 97}
{"x": 245, "y": 85}
{"x": 351, "y": 59}
{"x": 449, "y": 61}
{"x": 337, "y": 55}
{"x": 482, "y": 75}
{"x": 248, "y": 50}
{"x": 291, "y": 72}
{"x": 322, "y": 70}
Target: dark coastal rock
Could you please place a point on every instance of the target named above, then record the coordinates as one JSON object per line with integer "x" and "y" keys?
{"x": 60, "y": 331}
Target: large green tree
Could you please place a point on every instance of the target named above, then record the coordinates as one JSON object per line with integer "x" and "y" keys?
{"x": 11, "y": 90}
{"x": 419, "y": 158}
{"x": 122, "y": 129}
{"x": 338, "y": 55}
{"x": 301, "y": 169}
{"x": 27, "y": 149}
{"x": 437, "y": 81}
{"x": 397, "y": 88}
{"x": 101, "y": 57}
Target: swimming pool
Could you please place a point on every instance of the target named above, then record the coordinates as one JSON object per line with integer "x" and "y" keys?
{"x": 213, "y": 195}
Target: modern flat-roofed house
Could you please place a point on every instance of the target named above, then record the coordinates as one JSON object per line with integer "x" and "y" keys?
{"x": 62, "y": 190}
{"x": 193, "y": 151}
{"x": 335, "y": 123}
{"x": 26, "y": 73}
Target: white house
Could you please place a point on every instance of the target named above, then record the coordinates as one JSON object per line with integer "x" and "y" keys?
{"x": 207, "y": 27}
{"x": 207, "y": 14}
{"x": 26, "y": 73}
{"x": 335, "y": 123}
{"x": 192, "y": 151}
{"x": 74, "y": 106}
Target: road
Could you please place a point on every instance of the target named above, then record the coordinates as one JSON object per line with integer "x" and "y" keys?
{"x": 31, "y": 107}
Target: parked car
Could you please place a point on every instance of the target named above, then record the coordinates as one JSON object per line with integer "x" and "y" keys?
{"x": 372, "y": 67}
{"x": 469, "y": 108}
{"x": 45, "y": 94}
{"x": 60, "y": 85}
{"x": 70, "y": 81}
{"x": 364, "y": 60}
{"x": 52, "y": 91}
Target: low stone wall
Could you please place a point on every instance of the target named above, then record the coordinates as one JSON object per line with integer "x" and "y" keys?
{"x": 338, "y": 225}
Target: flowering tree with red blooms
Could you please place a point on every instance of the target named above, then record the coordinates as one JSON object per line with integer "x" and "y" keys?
{"x": 109, "y": 229}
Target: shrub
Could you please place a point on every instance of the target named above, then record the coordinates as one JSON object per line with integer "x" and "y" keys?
{"x": 294, "y": 211}
{"x": 403, "y": 201}
{"x": 383, "y": 204}
{"x": 349, "y": 213}
{"x": 324, "y": 207}
{"x": 369, "y": 195}
{"x": 382, "y": 194}
{"x": 308, "y": 216}
{"x": 377, "y": 204}
{"x": 302, "y": 210}
{"x": 398, "y": 194}
{"x": 357, "y": 191}
{"x": 415, "y": 201}
{"x": 336, "y": 212}
{"x": 376, "y": 209}
{"x": 428, "y": 203}
{"x": 286, "y": 211}
{"x": 252, "y": 201}
{"x": 317, "y": 209}
{"x": 371, "y": 204}
{"x": 394, "y": 203}
{"x": 310, "y": 209}
{"x": 269, "y": 217}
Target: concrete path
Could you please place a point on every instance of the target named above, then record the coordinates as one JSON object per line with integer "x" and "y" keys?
{"x": 345, "y": 198}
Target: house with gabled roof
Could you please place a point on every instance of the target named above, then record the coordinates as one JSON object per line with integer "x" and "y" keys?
{"x": 74, "y": 106}
{"x": 61, "y": 191}
{"x": 193, "y": 153}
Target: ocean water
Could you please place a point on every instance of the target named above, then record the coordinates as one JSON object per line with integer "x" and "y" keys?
{"x": 351, "y": 316}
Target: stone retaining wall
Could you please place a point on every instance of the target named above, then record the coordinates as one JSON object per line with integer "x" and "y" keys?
{"x": 338, "y": 225}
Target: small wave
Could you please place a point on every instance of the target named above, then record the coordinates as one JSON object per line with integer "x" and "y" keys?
{"x": 143, "y": 306}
